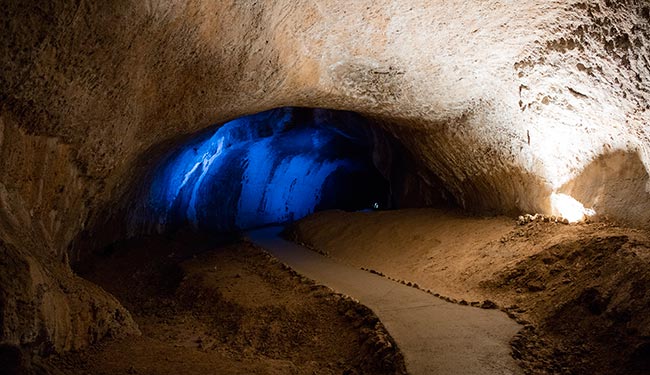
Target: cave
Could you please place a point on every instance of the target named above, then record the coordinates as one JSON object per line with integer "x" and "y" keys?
{"x": 273, "y": 167}
{"x": 327, "y": 187}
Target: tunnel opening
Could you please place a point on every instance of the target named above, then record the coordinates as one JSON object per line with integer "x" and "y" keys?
{"x": 280, "y": 166}
{"x": 196, "y": 272}
{"x": 272, "y": 167}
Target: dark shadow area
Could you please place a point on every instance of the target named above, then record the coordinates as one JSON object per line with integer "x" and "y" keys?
{"x": 441, "y": 166}
{"x": 208, "y": 303}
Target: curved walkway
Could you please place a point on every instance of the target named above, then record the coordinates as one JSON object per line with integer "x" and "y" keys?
{"x": 436, "y": 337}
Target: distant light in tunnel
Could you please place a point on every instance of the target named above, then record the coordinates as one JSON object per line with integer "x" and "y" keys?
{"x": 569, "y": 208}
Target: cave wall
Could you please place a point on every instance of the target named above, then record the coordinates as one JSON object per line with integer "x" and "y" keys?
{"x": 268, "y": 168}
{"x": 499, "y": 102}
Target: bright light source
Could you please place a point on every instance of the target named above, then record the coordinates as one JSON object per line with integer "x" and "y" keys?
{"x": 569, "y": 208}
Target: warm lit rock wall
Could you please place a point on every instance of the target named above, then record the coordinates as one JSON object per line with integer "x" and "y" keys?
{"x": 501, "y": 102}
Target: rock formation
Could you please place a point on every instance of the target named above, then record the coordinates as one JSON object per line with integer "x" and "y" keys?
{"x": 497, "y": 104}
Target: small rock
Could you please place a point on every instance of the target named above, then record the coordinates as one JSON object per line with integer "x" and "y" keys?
{"x": 487, "y": 304}
{"x": 535, "y": 286}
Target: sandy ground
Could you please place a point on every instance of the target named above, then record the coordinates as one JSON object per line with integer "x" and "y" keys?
{"x": 581, "y": 290}
{"x": 229, "y": 309}
{"x": 435, "y": 336}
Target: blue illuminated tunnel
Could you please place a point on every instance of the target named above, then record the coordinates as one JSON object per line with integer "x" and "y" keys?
{"x": 272, "y": 167}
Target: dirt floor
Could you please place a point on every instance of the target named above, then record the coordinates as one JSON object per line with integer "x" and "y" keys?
{"x": 581, "y": 290}
{"x": 229, "y": 309}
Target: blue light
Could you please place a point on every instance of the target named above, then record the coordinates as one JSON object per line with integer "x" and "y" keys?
{"x": 261, "y": 169}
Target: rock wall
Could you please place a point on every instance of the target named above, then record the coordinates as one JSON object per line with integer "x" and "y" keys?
{"x": 497, "y": 103}
{"x": 273, "y": 167}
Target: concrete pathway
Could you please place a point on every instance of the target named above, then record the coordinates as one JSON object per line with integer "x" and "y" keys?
{"x": 435, "y": 336}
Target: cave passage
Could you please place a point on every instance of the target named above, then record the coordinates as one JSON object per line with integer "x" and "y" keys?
{"x": 268, "y": 168}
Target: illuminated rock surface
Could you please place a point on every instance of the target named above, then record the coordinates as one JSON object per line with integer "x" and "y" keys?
{"x": 496, "y": 105}
{"x": 265, "y": 169}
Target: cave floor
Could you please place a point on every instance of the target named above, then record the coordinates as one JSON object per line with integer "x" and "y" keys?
{"x": 581, "y": 291}
{"x": 227, "y": 310}
{"x": 435, "y": 336}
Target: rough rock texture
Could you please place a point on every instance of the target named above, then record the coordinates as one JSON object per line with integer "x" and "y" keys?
{"x": 498, "y": 103}
{"x": 47, "y": 309}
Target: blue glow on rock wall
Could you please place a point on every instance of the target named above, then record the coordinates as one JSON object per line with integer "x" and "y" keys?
{"x": 272, "y": 167}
